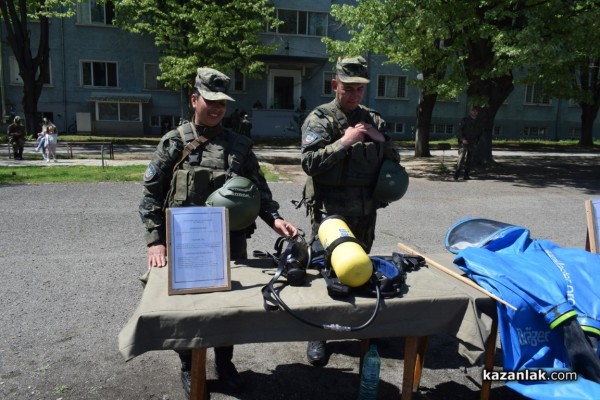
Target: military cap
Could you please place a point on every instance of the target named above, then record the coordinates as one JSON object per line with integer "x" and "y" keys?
{"x": 352, "y": 70}
{"x": 212, "y": 84}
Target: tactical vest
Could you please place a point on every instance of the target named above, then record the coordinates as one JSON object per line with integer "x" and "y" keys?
{"x": 361, "y": 167}
{"x": 207, "y": 167}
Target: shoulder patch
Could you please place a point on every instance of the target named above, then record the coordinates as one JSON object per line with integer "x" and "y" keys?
{"x": 150, "y": 173}
{"x": 310, "y": 137}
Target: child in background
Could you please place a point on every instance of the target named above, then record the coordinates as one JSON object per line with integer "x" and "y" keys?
{"x": 41, "y": 144}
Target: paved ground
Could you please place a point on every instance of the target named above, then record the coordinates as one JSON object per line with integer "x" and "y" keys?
{"x": 72, "y": 254}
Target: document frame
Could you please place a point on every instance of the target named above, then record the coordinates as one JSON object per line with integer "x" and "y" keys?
{"x": 198, "y": 249}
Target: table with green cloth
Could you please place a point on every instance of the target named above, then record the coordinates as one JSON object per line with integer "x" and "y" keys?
{"x": 430, "y": 303}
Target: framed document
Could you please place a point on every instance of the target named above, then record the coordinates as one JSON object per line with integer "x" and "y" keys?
{"x": 198, "y": 249}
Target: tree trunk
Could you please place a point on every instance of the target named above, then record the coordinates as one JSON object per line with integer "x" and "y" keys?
{"x": 495, "y": 91}
{"x": 424, "y": 113}
{"x": 588, "y": 116}
{"x": 32, "y": 69}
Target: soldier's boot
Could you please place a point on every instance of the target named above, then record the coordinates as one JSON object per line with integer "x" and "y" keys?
{"x": 456, "y": 174}
{"x": 227, "y": 374}
{"x": 16, "y": 155}
{"x": 466, "y": 176}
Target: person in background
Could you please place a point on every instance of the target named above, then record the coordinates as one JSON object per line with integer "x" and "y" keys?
{"x": 222, "y": 154}
{"x": 470, "y": 130}
{"x": 245, "y": 125}
{"x": 343, "y": 147}
{"x": 50, "y": 138}
{"x": 16, "y": 137}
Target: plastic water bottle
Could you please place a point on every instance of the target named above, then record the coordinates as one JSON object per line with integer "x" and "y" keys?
{"x": 369, "y": 379}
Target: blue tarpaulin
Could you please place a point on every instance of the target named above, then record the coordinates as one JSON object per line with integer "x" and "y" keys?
{"x": 548, "y": 285}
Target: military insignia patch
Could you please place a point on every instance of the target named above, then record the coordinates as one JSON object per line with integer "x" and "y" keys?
{"x": 310, "y": 137}
{"x": 150, "y": 173}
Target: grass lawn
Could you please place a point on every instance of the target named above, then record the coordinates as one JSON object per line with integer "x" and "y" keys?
{"x": 78, "y": 173}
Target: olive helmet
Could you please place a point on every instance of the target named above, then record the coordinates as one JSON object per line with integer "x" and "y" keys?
{"x": 241, "y": 197}
{"x": 392, "y": 182}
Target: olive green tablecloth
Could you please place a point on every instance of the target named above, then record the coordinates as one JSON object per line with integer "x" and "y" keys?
{"x": 431, "y": 303}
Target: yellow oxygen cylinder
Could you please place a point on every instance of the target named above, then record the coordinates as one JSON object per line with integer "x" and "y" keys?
{"x": 347, "y": 257}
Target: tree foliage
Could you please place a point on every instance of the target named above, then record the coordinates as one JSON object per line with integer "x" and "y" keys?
{"x": 475, "y": 46}
{"x": 222, "y": 34}
{"x": 32, "y": 58}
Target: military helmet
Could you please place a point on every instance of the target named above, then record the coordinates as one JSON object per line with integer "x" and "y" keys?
{"x": 392, "y": 182}
{"x": 241, "y": 197}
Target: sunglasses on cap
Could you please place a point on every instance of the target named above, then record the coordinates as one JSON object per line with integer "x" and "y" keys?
{"x": 217, "y": 85}
{"x": 354, "y": 70}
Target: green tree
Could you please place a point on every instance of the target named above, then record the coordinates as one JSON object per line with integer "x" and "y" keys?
{"x": 472, "y": 45}
{"x": 567, "y": 60}
{"x": 222, "y": 34}
{"x": 33, "y": 68}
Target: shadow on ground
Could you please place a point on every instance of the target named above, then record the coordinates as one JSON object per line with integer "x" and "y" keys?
{"x": 534, "y": 171}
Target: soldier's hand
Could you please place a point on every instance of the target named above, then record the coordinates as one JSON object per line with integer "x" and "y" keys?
{"x": 353, "y": 135}
{"x": 284, "y": 228}
{"x": 371, "y": 132}
{"x": 157, "y": 256}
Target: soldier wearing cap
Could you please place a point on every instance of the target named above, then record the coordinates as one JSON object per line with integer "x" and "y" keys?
{"x": 189, "y": 164}
{"x": 16, "y": 137}
{"x": 343, "y": 147}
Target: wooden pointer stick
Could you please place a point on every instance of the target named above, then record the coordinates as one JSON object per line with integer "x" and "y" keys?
{"x": 455, "y": 275}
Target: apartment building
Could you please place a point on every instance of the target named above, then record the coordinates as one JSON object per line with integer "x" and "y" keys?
{"x": 102, "y": 80}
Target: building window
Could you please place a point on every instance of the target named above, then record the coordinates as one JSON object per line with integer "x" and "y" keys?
{"x": 327, "y": 89}
{"x": 301, "y": 23}
{"x": 165, "y": 122}
{"x": 96, "y": 12}
{"x": 534, "y": 132}
{"x": 151, "y": 82}
{"x": 395, "y": 127}
{"x": 99, "y": 74}
{"x": 391, "y": 86}
{"x": 238, "y": 81}
{"x": 442, "y": 129}
{"x": 16, "y": 79}
{"x": 115, "y": 111}
{"x": 533, "y": 96}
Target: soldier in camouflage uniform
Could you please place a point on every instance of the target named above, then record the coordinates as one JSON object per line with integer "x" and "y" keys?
{"x": 16, "y": 137}
{"x": 343, "y": 147}
{"x": 470, "y": 130}
{"x": 177, "y": 178}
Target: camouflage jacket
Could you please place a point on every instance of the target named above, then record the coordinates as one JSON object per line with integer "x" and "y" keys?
{"x": 158, "y": 178}
{"x": 341, "y": 181}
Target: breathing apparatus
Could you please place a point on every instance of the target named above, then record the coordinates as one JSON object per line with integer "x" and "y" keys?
{"x": 387, "y": 276}
{"x": 344, "y": 253}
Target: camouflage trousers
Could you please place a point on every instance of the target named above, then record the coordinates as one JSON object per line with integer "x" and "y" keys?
{"x": 465, "y": 158}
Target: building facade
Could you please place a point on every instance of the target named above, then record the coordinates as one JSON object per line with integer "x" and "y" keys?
{"x": 102, "y": 81}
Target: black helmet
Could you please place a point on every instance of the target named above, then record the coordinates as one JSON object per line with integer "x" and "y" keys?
{"x": 392, "y": 182}
{"x": 241, "y": 197}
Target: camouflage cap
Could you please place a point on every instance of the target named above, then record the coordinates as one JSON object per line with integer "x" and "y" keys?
{"x": 352, "y": 70}
{"x": 212, "y": 84}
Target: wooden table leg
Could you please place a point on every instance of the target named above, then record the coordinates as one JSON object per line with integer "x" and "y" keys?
{"x": 198, "y": 390}
{"x": 488, "y": 364}
{"x": 408, "y": 376}
{"x": 420, "y": 359}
